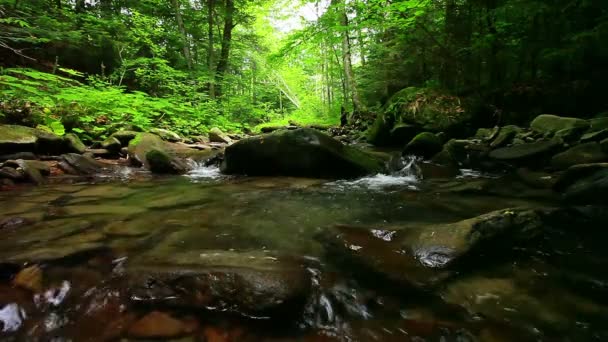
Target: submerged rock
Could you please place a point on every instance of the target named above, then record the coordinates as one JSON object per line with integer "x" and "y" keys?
{"x": 303, "y": 152}
{"x": 252, "y": 284}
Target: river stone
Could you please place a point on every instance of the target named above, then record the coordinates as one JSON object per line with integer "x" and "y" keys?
{"x": 216, "y": 135}
{"x": 11, "y": 173}
{"x": 33, "y": 170}
{"x": 525, "y": 151}
{"x": 466, "y": 153}
{"x": 581, "y": 154}
{"x": 549, "y": 125}
{"x": 19, "y": 155}
{"x": 252, "y": 284}
{"x": 15, "y": 138}
{"x": 161, "y": 162}
{"x": 74, "y": 144}
{"x": 598, "y": 124}
{"x": 425, "y": 144}
{"x": 166, "y": 135}
{"x": 604, "y": 145}
{"x": 111, "y": 144}
{"x": 595, "y": 136}
{"x": 303, "y": 152}
{"x": 77, "y": 164}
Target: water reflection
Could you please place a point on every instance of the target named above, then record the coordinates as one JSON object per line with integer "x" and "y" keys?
{"x": 12, "y": 317}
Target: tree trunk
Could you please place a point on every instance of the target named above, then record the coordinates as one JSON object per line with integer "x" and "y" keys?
{"x": 349, "y": 75}
{"x": 182, "y": 30}
{"x": 80, "y": 6}
{"x": 222, "y": 64}
{"x": 210, "y": 51}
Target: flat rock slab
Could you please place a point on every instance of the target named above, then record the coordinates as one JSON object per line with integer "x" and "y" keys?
{"x": 525, "y": 151}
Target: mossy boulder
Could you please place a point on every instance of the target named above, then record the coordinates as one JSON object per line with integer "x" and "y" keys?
{"x": 111, "y": 144}
{"x": 505, "y": 136}
{"x": 302, "y": 152}
{"x": 150, "y": 151}
{"x": 463, "y": 153}
{"x": 216, "y": 135}
{"x": 429, "y": 109}
{"x": 425, "y": 144}
{"x": 581, "y": 154}
{"x": 548, "y": 125}
{"x": 166, "y": 135}
{"x": 74, "y": 144}
{"x": 379, "y": 133}
{"x": 403, "y": 133}
{"x": 160, "y": 161}
{"x": 124, "y": 136}
{"x": 15, "y": 138}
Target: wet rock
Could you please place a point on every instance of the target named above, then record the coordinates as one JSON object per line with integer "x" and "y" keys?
{"x": 98, "y": 153}
{"x": 33, "y": 170}
{"x": 216, "y": 135}
{"x": 143, "y": 144}
{"x": 111, "y": 144}
{"x": 166, "y": 135}
{"x": 124, "y": 136}
{"x": 77, "y": 164}
{"x": 464, "y": 153}
{"x": 74, "y": 144}
{"x": 19, "y": 155}
{"x": 549, "y": 125}
{"x": 14, "y": 222}
{"x": 157, "y": 325}
{"x": 25, "y": 139}
{"x": 598, "y": 124}
{"x": 377, "y": 254}
{"x": 303, "y": 152}
{"x": 424, "y": 144}
{"x": 525, "y": 152}
{"x": 535, "y": 179}
{"x": 161, "y": 162}
{"x": 253, "y": 284}
{"x": 604, "y": 145}
{"x": 11, "y": 173}
{"x": 29, "y": 278}
{"x": 581, "y": 154}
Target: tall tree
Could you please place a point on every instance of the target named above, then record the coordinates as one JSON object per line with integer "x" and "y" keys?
{"x": 222, "y": 64}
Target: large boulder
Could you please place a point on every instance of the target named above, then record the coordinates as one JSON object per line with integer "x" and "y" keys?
{"x": 303, "y": 152}
{"x": 464, "y": 153}
{"x": 150, "y": 151}
{"x": 76, "y": 164}
{"x": 581, "y": 154}
{"x": 25, "y": 139}
{"x": 548, "y": 125}
{"x": 425, "y": 144}
{"x": 505, "y": 136}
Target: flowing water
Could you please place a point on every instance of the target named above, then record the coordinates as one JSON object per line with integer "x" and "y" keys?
{"x": 82, "y": 235}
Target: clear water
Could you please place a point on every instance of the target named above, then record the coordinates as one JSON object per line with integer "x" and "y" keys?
{"x": 82, "y": 234}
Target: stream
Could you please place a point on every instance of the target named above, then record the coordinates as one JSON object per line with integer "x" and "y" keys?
{"x": 86, "y": 238}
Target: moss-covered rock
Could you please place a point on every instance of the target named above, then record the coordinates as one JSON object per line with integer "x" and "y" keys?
{"x": 161, "y": 161}
{"x": 524, "y": 152}
{"x": 428, "y": 109}
{"x": 124, "y": 136}
{"x": 403, "y": 133}
{"x": 464, "y": 153}
{"x": 303, "y": 152}
{"x": 111, "y": 144}
{"x": 216, "y": 135}
{"x": 166, "y": 134}
{"x": 505, "y": 136}
{"x": 548, "y": 125}
{"x": 425, "y": 144}
{"x": 581, "y": 154}
{"x": 25, "y": 139}
{"x": 589, "y": 189}
{"x": 379, "y": 133}
{"x": 74, "y": 144}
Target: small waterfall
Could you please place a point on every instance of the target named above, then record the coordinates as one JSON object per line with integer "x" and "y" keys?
{"x": 406, "y": 174}
{"x": 202, "y": 171}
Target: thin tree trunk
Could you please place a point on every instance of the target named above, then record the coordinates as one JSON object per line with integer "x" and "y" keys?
{"x": 210, "y": 51}
{"x": 222, "y": 64}
{"x": 182, "y": 30}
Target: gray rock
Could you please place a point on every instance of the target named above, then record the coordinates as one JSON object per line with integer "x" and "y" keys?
{"x": 581, "y": 154}
{"x": 124, "y": 136}
{"x": 25, "y": 139}
{"x": 111, "y": 144}
{"x": 147, "y": 145}
{"x": 78, "y": 164}
{"x": 303, "y": 152}
{"x": 161, "y": 162}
